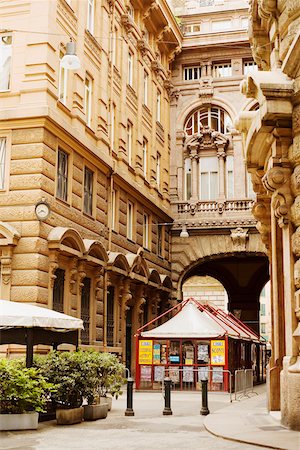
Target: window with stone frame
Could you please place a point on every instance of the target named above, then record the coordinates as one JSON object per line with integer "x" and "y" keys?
{"x": 58, "y": 290}
{"x": 62, "y": 82}
{"x": 213, "y": 117}
{"x": 222, "y": 70}
{"x": 62, "y": 175}
{"x": 208, "y": 169}
{"x": 85, "y": 310}
{"x": 110, "y": 323}
{"x": 88, "y": 86}
{"x": 88, "y": 191}
{"x": 146, "y": 231}
{"x": 130, "y": 69}
{"x": 129, "y": 142}
{"x": 90, "y": 16}
{"x": 3, "y": 162}
{"x": 5, "y": 62}
{"x": 130, "y": 218}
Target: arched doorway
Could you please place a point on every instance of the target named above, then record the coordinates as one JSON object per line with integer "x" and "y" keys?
{"x": 242, "y": 275}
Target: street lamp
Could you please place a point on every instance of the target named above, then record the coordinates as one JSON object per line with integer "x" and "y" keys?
{"x": 70, "y": 60}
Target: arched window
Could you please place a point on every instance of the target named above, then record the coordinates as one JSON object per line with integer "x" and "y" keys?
{"x": 213, "y": 117}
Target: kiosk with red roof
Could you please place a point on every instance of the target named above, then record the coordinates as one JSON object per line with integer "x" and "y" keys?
{"x": 198, "y": 342}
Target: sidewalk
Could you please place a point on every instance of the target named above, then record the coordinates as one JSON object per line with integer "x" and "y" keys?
{"x": 248, "y": 421}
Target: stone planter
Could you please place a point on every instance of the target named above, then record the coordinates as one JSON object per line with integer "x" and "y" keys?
{"x": 69, "y": 416}
{"x": 107, "y": 400}
{"x": 95, "y": 412}
{"x": 25, "y": 421}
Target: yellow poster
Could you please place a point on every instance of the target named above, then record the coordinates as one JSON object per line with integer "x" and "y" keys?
{"x": 145, "y": 352}
{"x": 217, "y": 353}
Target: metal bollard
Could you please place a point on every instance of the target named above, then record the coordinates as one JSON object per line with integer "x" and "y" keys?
{"x": 167, "y": 410}
{"x": 129, "y": 411}
{"x": 204, "y": 409}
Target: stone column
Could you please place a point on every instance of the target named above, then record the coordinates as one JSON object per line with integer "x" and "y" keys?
{"x": 221, "y": 158}
{"x": 195, "y": 177}
{"x": 125, "y": 297}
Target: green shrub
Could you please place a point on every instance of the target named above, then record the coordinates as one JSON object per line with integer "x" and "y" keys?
{"x": 22, "y": 389}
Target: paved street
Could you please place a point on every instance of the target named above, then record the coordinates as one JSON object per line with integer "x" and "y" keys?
{"x": 148, "y": 429}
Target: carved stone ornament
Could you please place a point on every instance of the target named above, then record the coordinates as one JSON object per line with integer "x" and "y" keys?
{"x": 73, "y": 276}
{"x": 5, "y": 264}
{"x": 53, "y": 265}
{"x": 296, "y": 242}
{"x": 297, "y": 274}
{"x": 275, "y": 178}
{"x": 239, "y": 238}
{"x": 206, "y": 139}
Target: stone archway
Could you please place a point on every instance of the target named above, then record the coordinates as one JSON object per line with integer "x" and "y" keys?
{"x": 238, "y": 260}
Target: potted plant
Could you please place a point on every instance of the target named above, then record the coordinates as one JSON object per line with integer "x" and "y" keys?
{"x": 93, "y": 410}
{"x": 111, "y": 378}
{"x": 23, "y": 394}
{"x": 69, "y": 372}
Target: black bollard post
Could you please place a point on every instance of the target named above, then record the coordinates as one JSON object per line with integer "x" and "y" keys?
{"x": 129, "y": 411}
{"x": 204, "y": 410}
{"x": 167, "y": 410}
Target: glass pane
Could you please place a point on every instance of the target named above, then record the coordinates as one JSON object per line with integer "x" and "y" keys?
{"x": 204, "y": 186}
{"x": 5, "y": 62}
{"x": 214, "y": 188}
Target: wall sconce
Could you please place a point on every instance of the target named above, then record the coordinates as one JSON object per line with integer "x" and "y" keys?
{"x": 184, "y": 232}
{"x": 70, "y": 60}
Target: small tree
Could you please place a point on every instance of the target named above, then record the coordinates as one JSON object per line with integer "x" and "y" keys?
{"x": 69, "y": 372}
{"x": 22, "y": 389}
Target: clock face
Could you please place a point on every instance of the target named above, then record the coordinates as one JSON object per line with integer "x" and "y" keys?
{"x": 42, "y": 211}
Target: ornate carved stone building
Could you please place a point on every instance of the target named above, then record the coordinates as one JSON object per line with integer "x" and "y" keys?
{"x": 272, "y": 142}
{"x": 93, "y": 145}
{"x": 210, "y": 189}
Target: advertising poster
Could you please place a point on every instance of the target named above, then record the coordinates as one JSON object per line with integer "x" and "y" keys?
{"x": 217, "y": 375}
{"x": 203, "y": 373}
{"x": 188, "y": 375}
{"x": 146, "y": 373}
{"x": 174, "y": 374}
{"x": 159, "y": 372}
{"x": 217, "y": 352}
{"x": 156, "y": 354}
{"x": 145, "y": 351}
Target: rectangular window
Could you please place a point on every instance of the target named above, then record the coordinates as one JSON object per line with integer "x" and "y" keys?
{"x": 5, "y": 62}
{"x": 62, "y": 175}
{"x": 85, "y": 310}
{"x": 88, "y": 191}
{"x": 209, "y": 185}
{"x": 158, "y": 160}
{"x": 88, "y": 100}
{"x": 146, "y": 82}
{"x": 58, "y": 290}
{"x": 245, "y": 23}
{"x": 129, "y": 142}
{"x": 130, "y": 220}
{"x": 158, "y": 106}
{"x": 249, "y": 67}
{"x": 262, "y": 309}
{"x": 130, "y": 69}
{"x": 250, "y": 191}
{"x": 222, "y": 70}
{"x": 262, "y": 328}
{"x": 230, "y": 177}
{"x": 113, "y": 126}
{"x": 145, "y": 157}
{"x": 188, "y": 178}
{"x": 113, "y": 210}
{"x": 90, "y": 16}
{"x": 221, "y": 25}
{"x": 146, "y": 231}
{"x": 3, "y": 162}
{"x": 160, "y": 237}
{"x": 63, "y": 82}
{"x": 130, "y": 10}
{"x": 113, "y": 46}
{"x": 110, "y": 316}
{"x": 192, "y": 73}
{"x": 192, "y": 29}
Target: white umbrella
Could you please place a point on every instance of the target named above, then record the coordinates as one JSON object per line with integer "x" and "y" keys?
{"x": 19, "y": 314}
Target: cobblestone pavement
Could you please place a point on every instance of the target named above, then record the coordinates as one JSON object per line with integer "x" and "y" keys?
{"x": 148, "y": 429}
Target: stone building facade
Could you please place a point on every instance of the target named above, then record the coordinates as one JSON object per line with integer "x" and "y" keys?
{"x": 92, "y": 145}
{"x": 210, "y": 190}
{"x": 272, "y": 142}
